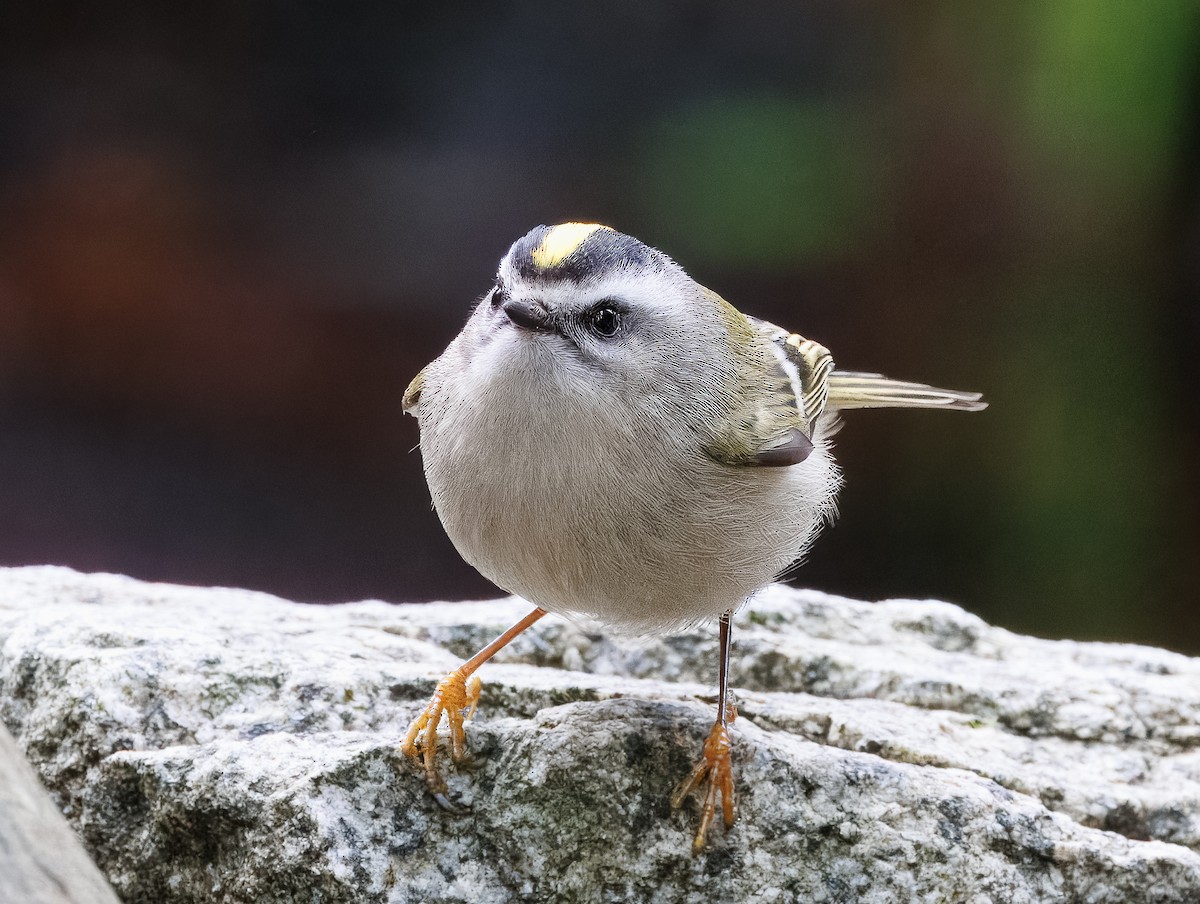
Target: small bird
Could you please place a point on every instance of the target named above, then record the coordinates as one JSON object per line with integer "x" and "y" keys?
{"x": 608, "y": 438}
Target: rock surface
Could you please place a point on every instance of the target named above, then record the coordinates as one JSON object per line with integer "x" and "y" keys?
{"x": 223, "y": 745}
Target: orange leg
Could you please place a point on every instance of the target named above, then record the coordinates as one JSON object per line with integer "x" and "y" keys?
{"x": 456, "y": 695}
{"x": 715, "y": 769}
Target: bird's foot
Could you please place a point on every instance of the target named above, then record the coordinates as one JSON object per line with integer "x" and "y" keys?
{"x": 715, "y": 773}
{"x": 456, "y": 695}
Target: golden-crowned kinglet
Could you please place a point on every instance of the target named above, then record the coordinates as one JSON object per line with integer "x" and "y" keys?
{"x": 608, "y": 438}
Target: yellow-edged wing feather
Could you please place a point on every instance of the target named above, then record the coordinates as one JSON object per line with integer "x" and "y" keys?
{"x": 790, "y": 382}
{"x": 850, "y": 389}
{"x": 781, "y": 395}
{"x": 412, "y": 395}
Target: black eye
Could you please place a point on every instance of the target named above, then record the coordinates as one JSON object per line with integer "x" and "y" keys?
{"x": 605, "y": 320}
{"x": 497, "y": 297}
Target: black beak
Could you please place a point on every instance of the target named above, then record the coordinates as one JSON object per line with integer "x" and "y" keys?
{"x": 528, "y": 316}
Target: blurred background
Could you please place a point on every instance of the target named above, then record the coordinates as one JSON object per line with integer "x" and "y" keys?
{"x": 230, "y": 233}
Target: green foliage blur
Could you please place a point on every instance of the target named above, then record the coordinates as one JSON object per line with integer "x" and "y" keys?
{"x": 229, "y": 235}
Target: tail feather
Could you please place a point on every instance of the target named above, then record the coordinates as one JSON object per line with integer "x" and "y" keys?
{"x": 851, "y": 389}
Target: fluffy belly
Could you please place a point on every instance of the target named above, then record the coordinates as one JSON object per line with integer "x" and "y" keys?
{"x": 640, "y": 545}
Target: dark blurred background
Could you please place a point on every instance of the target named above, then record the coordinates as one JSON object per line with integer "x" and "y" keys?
{"x": 231, "y": 232}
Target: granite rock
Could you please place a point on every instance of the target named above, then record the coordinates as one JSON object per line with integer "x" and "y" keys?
{"x": 225, "y": 745}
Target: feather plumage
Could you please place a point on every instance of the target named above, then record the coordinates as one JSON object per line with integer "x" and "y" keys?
{"x": 789, "y": 381}
{"x": 412, "y": 395}
{"x": 853, "y": 389}
{"x": 777, "y": 401}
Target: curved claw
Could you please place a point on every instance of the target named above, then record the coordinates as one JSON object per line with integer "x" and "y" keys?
{"x": 448, "y": 805}
{"x": 715, "y": 772}
{"x": 457, "y": 697}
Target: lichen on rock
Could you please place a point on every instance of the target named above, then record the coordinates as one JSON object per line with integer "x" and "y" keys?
{"x": 223, "y": 745}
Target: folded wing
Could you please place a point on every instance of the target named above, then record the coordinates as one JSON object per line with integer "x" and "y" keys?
{"x": 852, "y": 389}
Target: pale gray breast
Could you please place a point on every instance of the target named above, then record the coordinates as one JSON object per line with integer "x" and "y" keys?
{"x": 604, "y": 513}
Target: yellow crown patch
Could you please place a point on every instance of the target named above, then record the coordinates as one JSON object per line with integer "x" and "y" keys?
{"x": 561, "y": 242}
